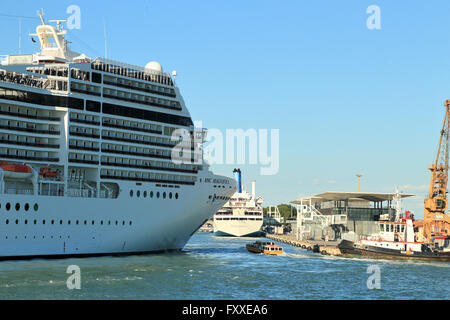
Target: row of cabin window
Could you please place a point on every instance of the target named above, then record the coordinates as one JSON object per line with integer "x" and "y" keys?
{"x": 398, "y": 228}
{"x": 152, "y": 194}
{"x": 27, "y": 207}
{"x": 69, "y": 222}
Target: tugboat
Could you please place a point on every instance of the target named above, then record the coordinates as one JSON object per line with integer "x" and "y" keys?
{"x": 397, "y": 239}
{"x": 265, "y": 247}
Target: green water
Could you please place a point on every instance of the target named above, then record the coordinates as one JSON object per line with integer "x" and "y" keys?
{"x": 221, "y": 268}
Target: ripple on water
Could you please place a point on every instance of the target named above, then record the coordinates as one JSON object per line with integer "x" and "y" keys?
{"x": 221, "y": 268}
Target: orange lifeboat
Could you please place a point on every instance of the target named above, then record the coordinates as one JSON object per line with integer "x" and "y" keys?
{"x": 16, "y": 171}
{"x": 48, "y": 173}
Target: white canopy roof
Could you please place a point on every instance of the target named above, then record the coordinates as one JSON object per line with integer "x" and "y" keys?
{"x": 351, "y": 196}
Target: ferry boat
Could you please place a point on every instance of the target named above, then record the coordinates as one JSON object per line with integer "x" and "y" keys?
{"x": 242, "y": 215}
{"x": 86, "y": 152}
{"x": 265, "y": 247}
{"x": 397, "y": 239}
{"x": 207, "y": 227}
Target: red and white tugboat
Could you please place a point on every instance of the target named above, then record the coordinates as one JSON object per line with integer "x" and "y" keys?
{"x": 397, "y": 239}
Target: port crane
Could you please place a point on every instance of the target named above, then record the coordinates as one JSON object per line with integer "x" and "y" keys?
{"x": 436, "y": 203}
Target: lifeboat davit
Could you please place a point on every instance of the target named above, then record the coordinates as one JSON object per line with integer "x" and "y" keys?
{"x": 16, "y": 171}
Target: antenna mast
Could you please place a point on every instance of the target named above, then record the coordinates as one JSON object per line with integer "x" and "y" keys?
{"x": 41, "y": 15}
{"x": 20, "y": 35}
{"x": 106, "y": 41}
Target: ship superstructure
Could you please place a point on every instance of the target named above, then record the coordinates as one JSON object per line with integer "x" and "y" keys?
{"x": 86, "y": 156}
{"x": 242, "y": 215}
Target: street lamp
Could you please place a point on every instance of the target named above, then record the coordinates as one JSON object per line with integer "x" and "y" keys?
{"x": 359, "y": 177}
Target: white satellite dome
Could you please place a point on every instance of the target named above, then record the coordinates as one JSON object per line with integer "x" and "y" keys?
{"x": 155, "y": 66}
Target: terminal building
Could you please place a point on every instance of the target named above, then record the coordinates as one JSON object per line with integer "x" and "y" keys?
{"x": 330, "y": 215}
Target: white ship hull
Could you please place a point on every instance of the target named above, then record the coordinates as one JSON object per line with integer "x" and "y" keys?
{"x": 99, "y": 137}
{"x": 156, "y": 224}
{"x": 236, "y": 228}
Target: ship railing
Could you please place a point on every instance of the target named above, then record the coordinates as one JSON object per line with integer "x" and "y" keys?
{"x": 77, "y": 193}
{"x": 132, "y": 71}
{"x": 20, "y": 191}
{"x": 52, "y": 193}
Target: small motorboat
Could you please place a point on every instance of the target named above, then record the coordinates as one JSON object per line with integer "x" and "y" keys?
{"x": 265, "y": 247}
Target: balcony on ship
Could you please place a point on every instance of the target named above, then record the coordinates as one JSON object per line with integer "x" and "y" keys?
{"x": 131, "y": 71}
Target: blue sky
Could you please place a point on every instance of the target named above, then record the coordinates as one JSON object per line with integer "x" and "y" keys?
{"x": 346, "y": 99}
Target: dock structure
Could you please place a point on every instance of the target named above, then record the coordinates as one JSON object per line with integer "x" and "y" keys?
{"x": 333, "y": 214}
{"x": 323, "y": 247}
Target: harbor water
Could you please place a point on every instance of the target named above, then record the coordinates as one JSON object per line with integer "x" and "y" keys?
{"x": 221, "y": 268}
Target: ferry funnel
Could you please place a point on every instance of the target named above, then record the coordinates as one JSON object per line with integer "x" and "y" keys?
{"x": 238, "y": 176}
{"x": 254, "y": 189}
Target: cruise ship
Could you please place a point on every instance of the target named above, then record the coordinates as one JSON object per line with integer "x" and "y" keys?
{"x": 86, "y": 156}
{"x": 242, "y": 215}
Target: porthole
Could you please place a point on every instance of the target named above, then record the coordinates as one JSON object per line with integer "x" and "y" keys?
{"x": 17, "y": 206}
{"x": 69, "y": 222}
{"x": 170, "y": 195}
{"x": 78, "y": 222}
{"x": 27, "y": 207}
{"x": 7, "y": 221}
{"x": 164, "y": 195}
{"x": 176, "y": 196}
{"x": 36, "y": 207}
{"x": 145, "y": 194}
{"x": 43, "y": 221}
{"x": 131, "y": 223}
{"x": 53, "y": 222}
{"x": 117, "y": 223}
{"x": 151, "y": 194}
{"x": 17, "y": 221}
{"x": 157, "y": 195}
{"x": 109, "y": 223}
{"x": 8, "y": 206}
{"x": 138, "y": 194}
{"x": 26, "y": 221}
{"x": 101, "y": 222}
{"x": 35, "y": 221}
{"x": 131, "y": 193}
{"x": 93, "y": 222}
